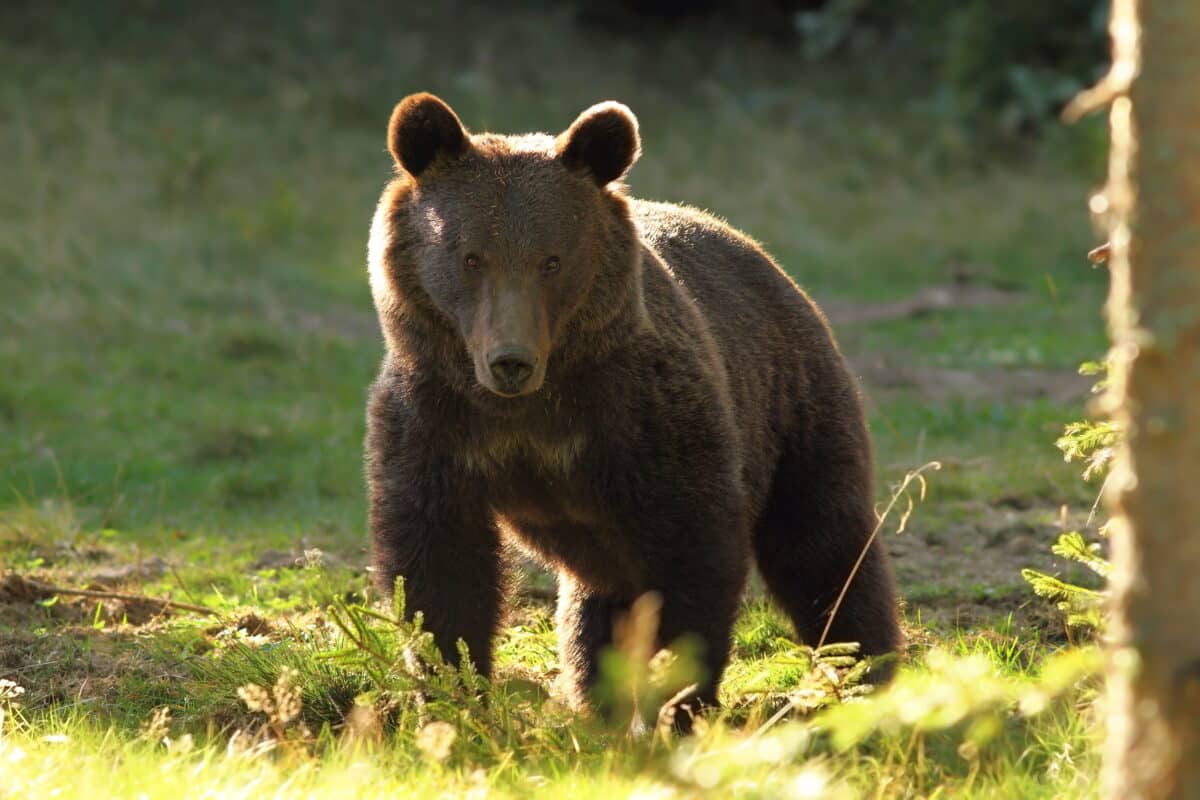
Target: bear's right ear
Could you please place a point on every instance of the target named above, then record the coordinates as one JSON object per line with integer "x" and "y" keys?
{"x": 603, "y": 142}
{"x": 423, "y": 129}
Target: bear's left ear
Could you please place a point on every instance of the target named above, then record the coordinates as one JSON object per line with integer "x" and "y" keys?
{"x": 602, "y": 142}
{"x": 422, "y": 129}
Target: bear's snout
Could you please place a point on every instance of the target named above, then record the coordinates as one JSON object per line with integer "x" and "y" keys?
{"x": 512, "y": 367}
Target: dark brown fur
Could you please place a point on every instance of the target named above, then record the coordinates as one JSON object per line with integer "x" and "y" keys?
{"x": 688, "y": 409}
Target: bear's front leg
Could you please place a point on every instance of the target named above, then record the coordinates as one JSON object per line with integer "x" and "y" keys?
{"x": 701, "y": 592}
{"x": 585, "y": 622}
{"x": 432, "y": 528}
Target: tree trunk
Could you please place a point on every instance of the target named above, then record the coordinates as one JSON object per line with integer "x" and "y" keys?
{"x": 1153, "y": 196}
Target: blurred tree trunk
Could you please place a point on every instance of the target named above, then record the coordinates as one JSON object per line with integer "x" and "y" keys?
{"x": 1153, "y": 195}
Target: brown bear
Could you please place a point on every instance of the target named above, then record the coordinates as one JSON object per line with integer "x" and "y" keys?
{"x": 632, "y": 391}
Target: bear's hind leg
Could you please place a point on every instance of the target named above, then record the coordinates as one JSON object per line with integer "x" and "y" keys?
{"x": 813, "y": 529}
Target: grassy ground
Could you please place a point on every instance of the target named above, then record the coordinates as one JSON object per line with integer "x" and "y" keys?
{"x": 186, "y": 336}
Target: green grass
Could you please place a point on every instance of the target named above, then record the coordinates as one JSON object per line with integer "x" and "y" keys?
{"x": 988, "y": 715}
{"x": 186, "y": 337}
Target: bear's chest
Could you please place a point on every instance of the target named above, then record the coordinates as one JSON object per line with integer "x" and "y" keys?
{"x": 498, "y": 455}
{"x": 548, "y": 502}
{"x": 532, "y": 477}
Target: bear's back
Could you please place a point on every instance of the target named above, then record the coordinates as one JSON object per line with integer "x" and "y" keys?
{"x": 726, "y": 272}
{"x": 775, "y": 344}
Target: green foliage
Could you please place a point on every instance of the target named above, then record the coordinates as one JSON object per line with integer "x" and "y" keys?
{"x": 1091, "y": 442}
{"x": 1018, "y": 63}
{"x": 963, "y": 693}
{"x": 413, "y": 688}
{"x": 794, "y": 679}
{"x": 961, "y": 721}
{"x": 361, "y": 676}
{"x": 967, "y": 725}
{"x": 1072, "y": 546}
{"x": 829, "y": 28}
{"x": 1008, "y": 65}
{"x": 1083, "y": 607}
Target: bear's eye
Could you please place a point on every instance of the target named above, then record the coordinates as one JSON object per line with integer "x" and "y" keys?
{"x": 551, "y": 266}
{"x": 471, "y": 261}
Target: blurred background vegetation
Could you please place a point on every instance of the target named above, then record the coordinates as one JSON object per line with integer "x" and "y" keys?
{"x": 1008, "y": 66}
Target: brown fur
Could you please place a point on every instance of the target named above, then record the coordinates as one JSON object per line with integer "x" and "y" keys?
{"x": 685, "y": 408}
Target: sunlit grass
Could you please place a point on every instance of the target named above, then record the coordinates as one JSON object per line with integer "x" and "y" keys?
{"x": 987, "y": 720}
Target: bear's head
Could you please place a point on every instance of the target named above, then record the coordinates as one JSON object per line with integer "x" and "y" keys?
{"x": 505, "y": 257}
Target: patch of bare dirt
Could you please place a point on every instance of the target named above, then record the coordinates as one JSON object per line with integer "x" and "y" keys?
{"x": 142, "y": 570}
{"x": 90, "y": 651}
{"x": 299, "y": 559}
{"x": 898, "y": 372}
{"x": 248, "y": 625}
{"x": 79, "y": 665}
{"x": 968, "y": 572}
{"x": 891, "y": 373}
{"x": 24, "y": 601}
{"x": 930, "y": 299}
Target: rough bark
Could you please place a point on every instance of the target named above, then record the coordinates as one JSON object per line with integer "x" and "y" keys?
{"x": 1153, "y": 199}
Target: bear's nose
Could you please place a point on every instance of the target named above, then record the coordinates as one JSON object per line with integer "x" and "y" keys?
{"x": 511, "y": 366}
